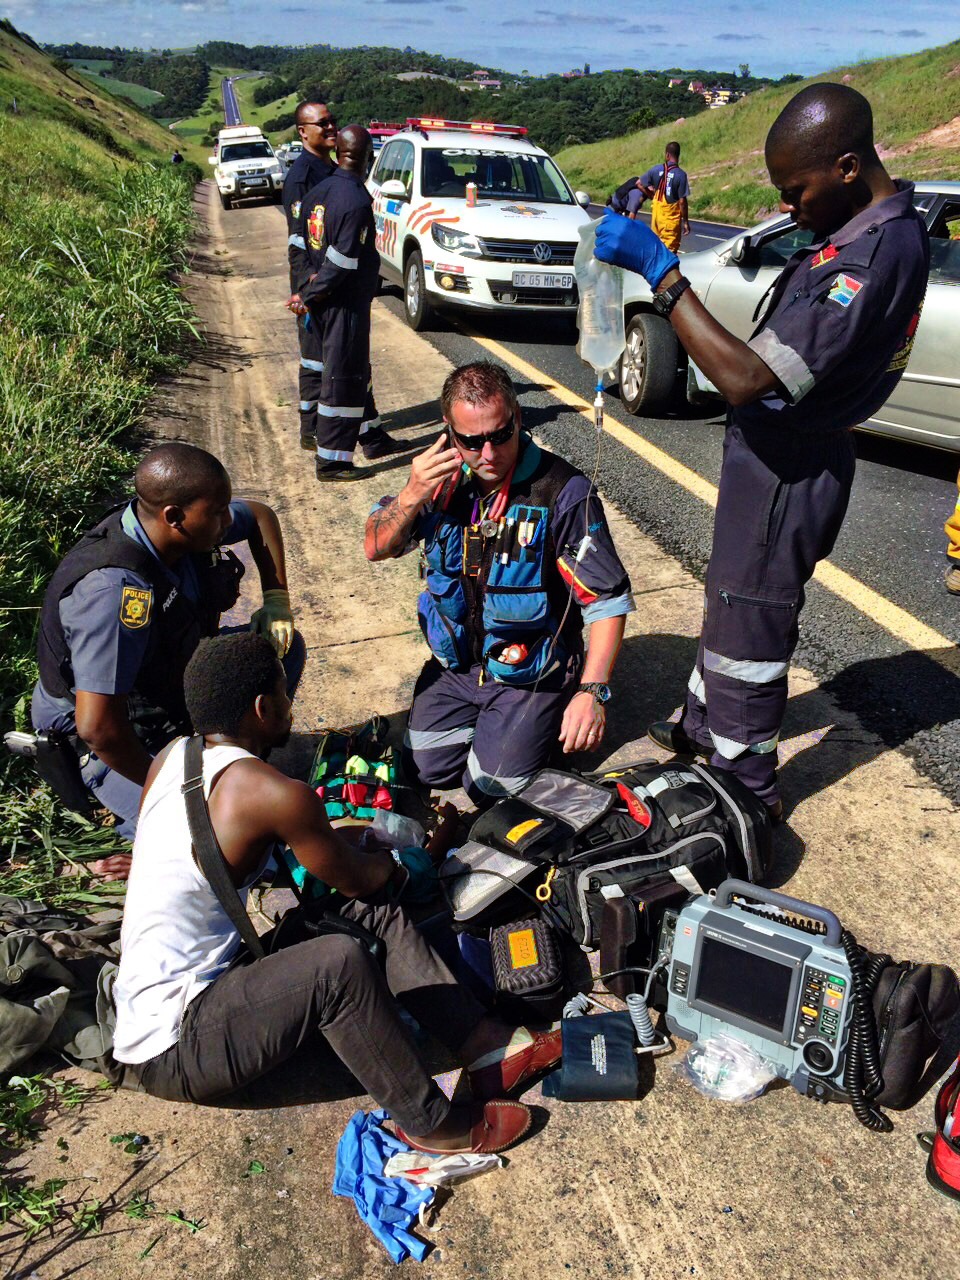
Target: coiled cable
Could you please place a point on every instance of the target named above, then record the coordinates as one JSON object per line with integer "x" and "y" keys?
{"x": 862, "y": 1074}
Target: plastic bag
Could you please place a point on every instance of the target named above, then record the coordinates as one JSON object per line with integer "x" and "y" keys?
{"x": 397, "y": 829}
{"x": 725, "y": 1068}
{"x": 436, "y": 1170}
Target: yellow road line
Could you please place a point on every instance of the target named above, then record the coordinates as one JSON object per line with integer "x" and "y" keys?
{"x": 903, "y": 626}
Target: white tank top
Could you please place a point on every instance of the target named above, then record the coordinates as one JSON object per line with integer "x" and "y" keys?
{"x": 176, "y": 938}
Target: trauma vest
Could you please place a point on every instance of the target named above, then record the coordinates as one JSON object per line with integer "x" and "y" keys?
{"x": 156, "y": 702}
{"x": 517, "y": 597}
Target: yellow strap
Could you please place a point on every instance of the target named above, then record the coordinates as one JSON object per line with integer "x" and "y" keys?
{"x": 544, "y": 892}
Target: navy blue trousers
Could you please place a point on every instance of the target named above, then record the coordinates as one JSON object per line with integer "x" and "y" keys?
{"x": 311, "y": 375}
{"x": 780, "y": 507}
{"x": 488, "y": 738}
{"x": 346, "y": 408}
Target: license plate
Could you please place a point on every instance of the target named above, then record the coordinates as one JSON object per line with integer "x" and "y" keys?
{"x": 541, "y": 280}
{"x": 254, "y": 182}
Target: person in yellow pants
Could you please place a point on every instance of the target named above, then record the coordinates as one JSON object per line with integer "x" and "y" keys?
{"x": 952, "y": 529}
{"x": 669, "y": 187}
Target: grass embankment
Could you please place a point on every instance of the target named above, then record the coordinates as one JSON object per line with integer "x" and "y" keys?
{"x": 722, "y": 150}
{"x": 91, "y": 235}
{"x": 137, "y": 93}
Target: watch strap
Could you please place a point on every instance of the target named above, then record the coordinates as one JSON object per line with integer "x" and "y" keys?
{"x": 664, "y": 302}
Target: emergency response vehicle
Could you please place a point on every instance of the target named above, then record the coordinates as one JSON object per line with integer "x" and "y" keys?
{"x": 245, "y": 165}
{"x": 473, "y": 215}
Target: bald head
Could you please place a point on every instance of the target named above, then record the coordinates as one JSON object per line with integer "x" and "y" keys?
{"x": 309, "y": 112}
{"x": 353, "y": 147}
{"x": 177, "y": 475}
{"x": 820, "y": 124}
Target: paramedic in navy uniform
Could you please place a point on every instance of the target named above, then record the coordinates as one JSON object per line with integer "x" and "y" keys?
{"x": 518, "y": 557}
{"x": 127, "y": 606}
{"x": 828, "y": 352}
{"x": 342, "y": 277}
{"x": 318, "y": 133}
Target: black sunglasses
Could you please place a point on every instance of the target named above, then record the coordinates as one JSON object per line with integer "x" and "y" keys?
{"x": 327, "y": 122}
{"x": 476, "y": 443}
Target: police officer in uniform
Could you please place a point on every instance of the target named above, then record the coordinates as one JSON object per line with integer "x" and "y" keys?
{"x": 668, "y": 187}
{"x": 828, "y": 352}
{"x": 336, "y": 226}
{"x": 318, "y": 133}
{"x": 128, "y": 605}
{"x": 517, "y": 557}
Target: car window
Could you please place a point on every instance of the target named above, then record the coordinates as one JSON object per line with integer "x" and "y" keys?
{"x": 945, "y": 244}
{"x": 404, "y": 165}
{"x": 922, "y": 200}
{"x": 499, "y": 175}
{"x": 246, "y": 151}
{"x": 385, "y": 167}
{"x": 778, "y": 250}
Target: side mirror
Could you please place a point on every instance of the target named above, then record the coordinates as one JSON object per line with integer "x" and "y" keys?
{"x": 211, "y": 159}
{"x": 742, "y": 251}
{"x": 394, "y": 188}
{"x": 581, "y": 198}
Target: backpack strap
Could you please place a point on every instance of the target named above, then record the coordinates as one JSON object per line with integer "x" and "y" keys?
{"x": 208, "y": 852}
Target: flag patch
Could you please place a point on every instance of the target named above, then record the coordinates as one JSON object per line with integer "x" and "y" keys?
{"x": 843, "y": 290}
{"x": 826, "y": 254}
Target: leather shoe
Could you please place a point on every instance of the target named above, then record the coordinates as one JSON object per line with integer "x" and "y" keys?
{"x": 375, "y": 443}
{"x": 494, "y": 1126}
{"x": 671, "y": 737}
{"x": 308, "y": 441}
{"x": 518, "y": 1071}
{"x": 327, "y": 471}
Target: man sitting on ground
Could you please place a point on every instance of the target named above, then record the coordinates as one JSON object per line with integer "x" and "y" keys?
{"x": 518, "y": 557}
{"x": 193, "y": 1023}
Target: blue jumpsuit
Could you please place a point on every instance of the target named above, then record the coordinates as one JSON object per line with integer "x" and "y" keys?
{"x": 466, "y": 726}
{"x": 837, "y": 335}
{"x": 306, "y": 172}
{"x": 336, "y": 225}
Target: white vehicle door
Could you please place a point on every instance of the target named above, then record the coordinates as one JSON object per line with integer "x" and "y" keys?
{"x": 926, "y": 400}
{"x": 391, "y": 213}
{"x": 736, "y": 292}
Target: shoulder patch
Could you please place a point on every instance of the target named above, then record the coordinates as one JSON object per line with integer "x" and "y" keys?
{"x": 315, "y": 227}
{"x": 820, "y": 259}
{"x": 295, "y": 209}
{"x": 844, "y": 290}
{"x": 136, "y": 604}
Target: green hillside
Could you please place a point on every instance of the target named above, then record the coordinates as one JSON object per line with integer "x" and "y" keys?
{"x": 137, "y": 93}
{"x": 93, "y": 226}
{"x": 916, "y": 105}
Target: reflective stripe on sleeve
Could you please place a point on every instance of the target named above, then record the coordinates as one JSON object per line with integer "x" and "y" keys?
{"x": 744, "y": 668}
{"x": 490, "y": 785}
{"x": 341, "y": 260}
{"x": 296, "y": 242}
{"x": 787, "y": 364}
{"x": 433, "y": 739}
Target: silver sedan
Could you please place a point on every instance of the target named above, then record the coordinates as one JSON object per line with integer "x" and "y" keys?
{"x": 733, "y": 281}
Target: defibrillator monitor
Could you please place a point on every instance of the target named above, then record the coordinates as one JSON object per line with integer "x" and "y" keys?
{"x": 779, "y": 983}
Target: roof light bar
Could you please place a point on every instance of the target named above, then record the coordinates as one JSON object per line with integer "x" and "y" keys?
{"x": 467, "y": 126}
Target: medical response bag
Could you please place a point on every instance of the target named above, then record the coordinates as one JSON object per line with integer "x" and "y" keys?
{"x": 576, "y": 842}
{"x": 943, "y": 1144}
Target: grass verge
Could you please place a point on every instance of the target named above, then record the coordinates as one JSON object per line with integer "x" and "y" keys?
{"x": 92, "y": 239}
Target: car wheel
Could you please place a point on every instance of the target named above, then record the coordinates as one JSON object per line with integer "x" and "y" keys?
{"x": 648, "y": 366}
{"x": 416, "y": 306}
{"x": 226, "y": 201}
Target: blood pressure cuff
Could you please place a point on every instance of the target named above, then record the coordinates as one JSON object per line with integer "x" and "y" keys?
{"x": 599, "y": 1060}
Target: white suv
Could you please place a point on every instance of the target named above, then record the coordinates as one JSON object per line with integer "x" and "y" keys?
{"x": 510, "y": 251}
{"x": 245, "y": 165}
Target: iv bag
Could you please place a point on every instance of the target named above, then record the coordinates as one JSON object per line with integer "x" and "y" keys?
{"x": 600, "y": 318}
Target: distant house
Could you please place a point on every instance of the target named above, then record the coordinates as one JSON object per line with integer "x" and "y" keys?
{"x": 479, "y": 75}
{"x": 674, "y": 81}
{"x": 695, "y": 86}
{"x": 719, "y": 97}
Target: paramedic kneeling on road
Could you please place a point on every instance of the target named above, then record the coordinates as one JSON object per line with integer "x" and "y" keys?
{"x": 197, "y": 1017}
{"x": 828, "y": 352}
{"x": 517, "y": 556}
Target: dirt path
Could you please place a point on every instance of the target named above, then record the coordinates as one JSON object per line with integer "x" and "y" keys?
{"x": 673, "y": 1185}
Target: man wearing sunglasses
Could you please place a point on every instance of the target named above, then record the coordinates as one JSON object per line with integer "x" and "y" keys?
{"x": 318, "y": 133}
{"x": 517, "y": 556}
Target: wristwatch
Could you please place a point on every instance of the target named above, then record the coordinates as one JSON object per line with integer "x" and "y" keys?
{"x": 663, "y": 303}
{"x": 600, "y": 691}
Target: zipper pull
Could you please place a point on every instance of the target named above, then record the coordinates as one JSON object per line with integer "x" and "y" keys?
{"x": 724, "y": 596}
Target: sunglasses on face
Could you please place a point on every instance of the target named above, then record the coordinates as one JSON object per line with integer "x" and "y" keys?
{"x": 475, "y": 443}
{"x": 326, "y": 123}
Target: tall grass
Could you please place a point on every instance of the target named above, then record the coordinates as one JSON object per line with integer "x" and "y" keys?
{"x": 91, "y": 314}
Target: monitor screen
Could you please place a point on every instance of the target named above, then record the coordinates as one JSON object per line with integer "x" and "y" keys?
{"x": 741, "y": 982}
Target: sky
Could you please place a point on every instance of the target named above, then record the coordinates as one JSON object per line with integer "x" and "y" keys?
{"x": 806, "y": 36}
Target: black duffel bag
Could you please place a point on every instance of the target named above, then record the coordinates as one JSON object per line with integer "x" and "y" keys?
{"x": 588, "y": 839}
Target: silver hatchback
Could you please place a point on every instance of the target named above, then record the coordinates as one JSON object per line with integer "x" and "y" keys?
{"x": 733, "y": 280}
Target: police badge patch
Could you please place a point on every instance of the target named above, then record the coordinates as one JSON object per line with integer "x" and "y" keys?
{"x": 135, "y": 605}
{"x": 315, "y": 227}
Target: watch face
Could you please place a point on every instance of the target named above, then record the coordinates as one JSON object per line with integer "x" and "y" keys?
{"x": 603, "y": 692}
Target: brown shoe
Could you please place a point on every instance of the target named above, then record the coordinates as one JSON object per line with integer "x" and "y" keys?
{"x": 495, "y": 1125}
{"x": 951, "y": 579}
{"x": 518, "y": 1071}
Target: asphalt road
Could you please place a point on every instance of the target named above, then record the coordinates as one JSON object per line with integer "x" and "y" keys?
{"x": 892, "y": 540}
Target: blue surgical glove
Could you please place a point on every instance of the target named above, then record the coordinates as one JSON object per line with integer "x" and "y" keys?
{"x": 632, "y": 245}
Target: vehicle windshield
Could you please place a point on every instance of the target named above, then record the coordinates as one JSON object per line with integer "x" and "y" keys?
{"x": 247, "y": 151}
{"x": 499, "y": 175}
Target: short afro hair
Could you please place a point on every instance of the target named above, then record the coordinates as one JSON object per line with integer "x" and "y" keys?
{"x": 177, "y": 474}
{"x": 477, "y": 384}
{"x": 224, "y": 677}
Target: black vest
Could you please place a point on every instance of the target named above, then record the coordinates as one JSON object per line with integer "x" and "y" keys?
{"x": 156, "y": 703}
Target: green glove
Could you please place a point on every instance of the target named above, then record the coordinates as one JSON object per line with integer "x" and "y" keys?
{"x": 421, "y": 883}
{"x": 274, "y": 620}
